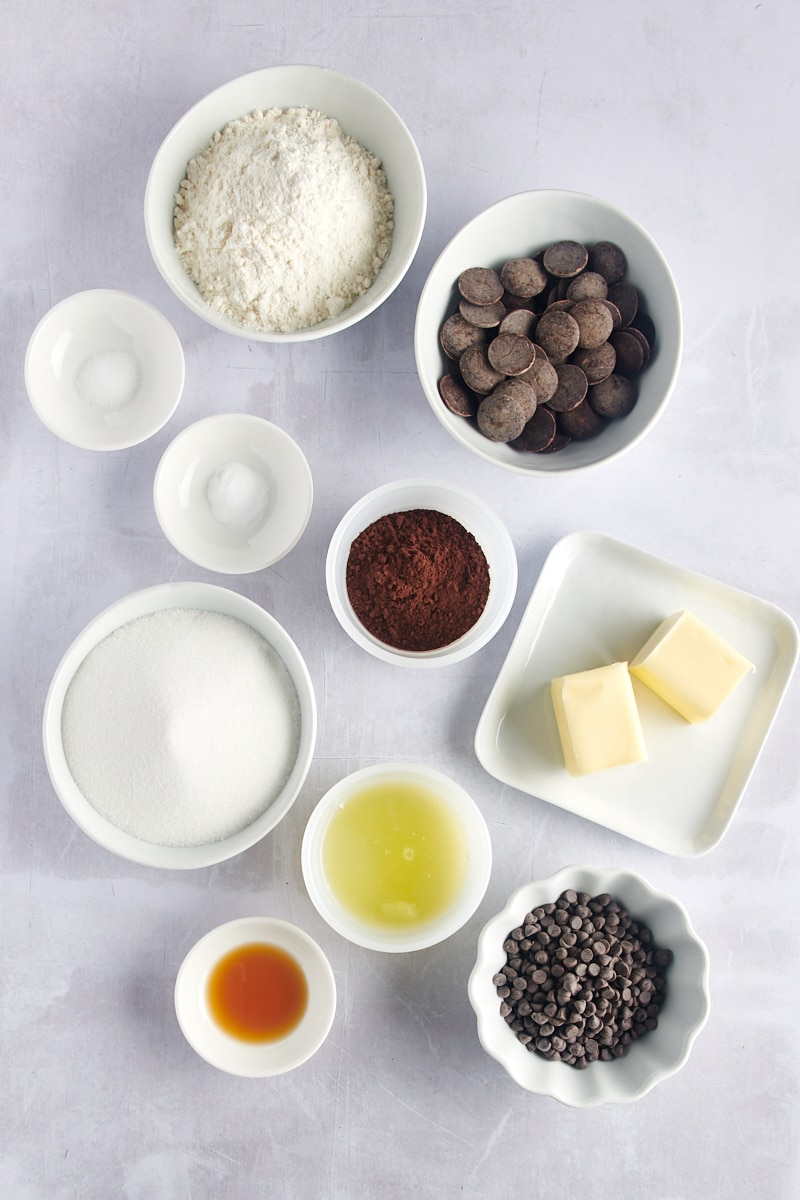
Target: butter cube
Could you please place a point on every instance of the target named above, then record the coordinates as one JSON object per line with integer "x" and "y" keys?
{"x": 597, "y": 719}
{"x": 689, "y": 666}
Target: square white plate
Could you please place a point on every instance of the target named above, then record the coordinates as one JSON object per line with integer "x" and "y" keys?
{"x": 595, "y": 602}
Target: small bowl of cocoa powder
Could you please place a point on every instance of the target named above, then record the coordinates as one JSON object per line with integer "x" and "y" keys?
{"x": 421, "y": 573}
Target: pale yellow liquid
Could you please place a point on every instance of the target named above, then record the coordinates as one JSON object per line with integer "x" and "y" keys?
{"x": 395, "y": 855}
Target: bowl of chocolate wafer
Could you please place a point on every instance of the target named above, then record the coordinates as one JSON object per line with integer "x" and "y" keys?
{"x": 549, "y": 333}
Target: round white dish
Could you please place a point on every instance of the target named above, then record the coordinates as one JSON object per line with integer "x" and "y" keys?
{"x": 521, "y": 225}
{"x": 398, "y": 940}
{"x": 226, "y": 1052}
{"x": 647, "y": 1061}
{"x": 476, "y": 517}
{"x": 163, "y": 596}
{"x": 102, "y": 322}
{"x": 362, "y": 114}
{"x": 180, "y": 492}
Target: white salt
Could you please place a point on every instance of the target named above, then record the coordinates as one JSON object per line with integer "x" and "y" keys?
{"x": 181, "y": 727}
{"x": 238, "y": 496}
{"x": 108, "y": 380}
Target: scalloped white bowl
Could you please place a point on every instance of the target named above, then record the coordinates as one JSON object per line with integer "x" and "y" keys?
{"x": 647, "y": 1061}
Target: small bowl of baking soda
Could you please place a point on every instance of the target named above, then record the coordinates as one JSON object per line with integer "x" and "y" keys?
{"x": 104, "y": 370}
{"x": 233, "y": 493}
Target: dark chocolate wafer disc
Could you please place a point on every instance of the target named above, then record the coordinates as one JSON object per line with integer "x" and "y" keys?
{"x": 614, "y": 397}
{"x": 524, "y": 277}
{"x": 581, "y": 423}
{"x": 485, "y": 316}
{"x": 626, "y": 298}
{"x": 501, "y": 418}
{"x": 644, "y": 323}
{"x": 511, "y": 353}
{"x": 519, "y": 320}
{"x": 523, "y": 392}
{"x": 456, "y": 335}
{"x": 558, "y": 333}
{"x": 572, "y": 388}
{"x": 565, "y": 259}
{"x": 477, "y": 371}
{"x": 642, "y": 340}
{"x": 538, "y": 433}
{"x": 480, "y": 285}
{"x": 460, "y": 399}
{"x": 589, "y": 285}
{"x": 608, "y": 260}
{"x": 596, "y": 364}
{"x": 629, "y": 351}
{"x": 594, "y": 322}
{"x": 544, "y": 378}
{"x": 616, "y": 315}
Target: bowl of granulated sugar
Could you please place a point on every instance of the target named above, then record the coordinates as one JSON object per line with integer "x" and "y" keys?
{"x": 180, "y": 725}
{"x": 286, "y": 205}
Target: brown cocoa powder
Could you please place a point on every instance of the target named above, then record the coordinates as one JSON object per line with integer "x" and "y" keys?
{"x": 417, "y": 580}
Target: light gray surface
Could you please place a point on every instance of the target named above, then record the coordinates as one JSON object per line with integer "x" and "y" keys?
{"x": 686, "y": 116}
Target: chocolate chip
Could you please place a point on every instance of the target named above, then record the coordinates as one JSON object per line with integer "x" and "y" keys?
{"x": 572, "y": 387}
{"x": 524, "y": 277}
{"x": 458, "y": 397}
{"x": 485, "y": 316}
{"x": 558, "y": 333}
{"x": 596, "y": 364}
{"x": 478, "y": 373}
{"x": 594, "y": 323}
{"x": 581, "y": 423}
{"x": 457, "y": 335}
{"x": 501, "y": 418}
{"x": 537, "y": 435}
{"x": 565, "y": 259}
{"x": 626, "y": 298}
{"x": 524, "y": 393}
{"x": 614, "y": 397}
{"x": 480, "y": 285}
{"x": 608, "y": 260}
{"x": 589, "y": 285}
{"x": 511, "y": 353}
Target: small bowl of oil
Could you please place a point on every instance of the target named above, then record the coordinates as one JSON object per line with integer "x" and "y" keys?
{"x": 396, "y": 857}
{"x": 255, "y": 997}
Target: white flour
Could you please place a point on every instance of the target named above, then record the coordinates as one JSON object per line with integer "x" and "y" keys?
{"x": 283, "y": 220}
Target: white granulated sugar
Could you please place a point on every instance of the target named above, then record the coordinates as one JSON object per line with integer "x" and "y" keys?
{"x": 283, "y": 220}
{"x": 181, "y": 727}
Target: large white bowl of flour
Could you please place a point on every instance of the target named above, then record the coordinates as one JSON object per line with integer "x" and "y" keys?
{"x": 247, "y": 249}
{"x": 180, "y": 725}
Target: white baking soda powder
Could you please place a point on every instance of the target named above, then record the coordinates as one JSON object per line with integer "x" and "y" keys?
{"x": 181, "y": 727}
{"x": 238, "y": 496}
{"x": 108, "y": 380}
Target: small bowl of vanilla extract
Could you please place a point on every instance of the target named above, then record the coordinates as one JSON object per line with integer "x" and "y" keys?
{"x": 255, "y": 997}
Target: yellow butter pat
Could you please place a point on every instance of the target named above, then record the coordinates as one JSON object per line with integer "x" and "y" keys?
{"x": 597, "y": 719}
{"x": 689, "y": 666}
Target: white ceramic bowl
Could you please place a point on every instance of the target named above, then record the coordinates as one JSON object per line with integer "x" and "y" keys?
{"x": 521, "y": 225}
{"x": 418, "y": 937}
{"x": 208, "y": 597}
{"x": 476, "y": 517}
{"x": 180, "y": 493}
{"x": 649, "y": 1060}
{"x": 103, "y": 322}
{"x": 362, "y": 114}
{"x": 254, "y": 1059}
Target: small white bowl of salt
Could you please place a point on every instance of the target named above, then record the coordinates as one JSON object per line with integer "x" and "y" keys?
{"x": 104, "y": 370}
{"x": 233, "y": 493}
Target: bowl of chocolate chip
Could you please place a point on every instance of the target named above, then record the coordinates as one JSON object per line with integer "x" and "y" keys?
{"x": 548, "y": 334}
{"x": 590, "y": 986}
{"x": 286, "y": 205}
{"x": 421, "y": 573}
